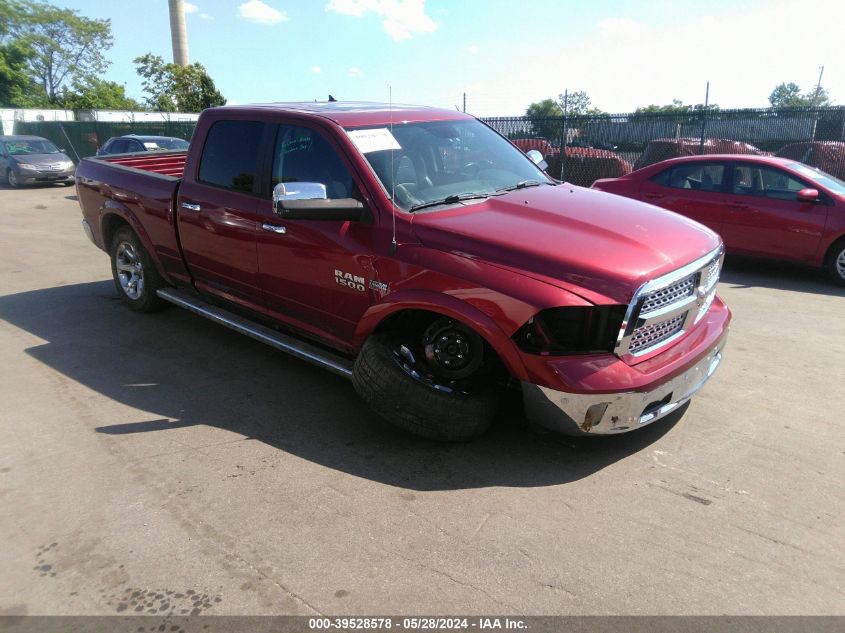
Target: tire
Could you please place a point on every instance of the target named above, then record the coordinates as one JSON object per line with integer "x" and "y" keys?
{"x": 12, "y": 179}
{"x": 135, "y": 276}
{"x": 836, "y": 263}
{"x": 69, "y": 184}
{"x": 414, "y": 406}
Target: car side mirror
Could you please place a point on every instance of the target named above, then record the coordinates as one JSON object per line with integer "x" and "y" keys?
{"x": 537, "y": 158}
{"x": 808, "y": 195}
{"x": 308, "y": 201}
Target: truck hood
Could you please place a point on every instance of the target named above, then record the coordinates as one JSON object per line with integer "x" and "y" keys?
{"x": 597, "y": 245}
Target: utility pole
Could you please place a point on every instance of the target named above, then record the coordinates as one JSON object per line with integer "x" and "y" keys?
{"x": 818, "y": 87}
{"x": 465, "y": 102}
{"x": 178, "y": 32}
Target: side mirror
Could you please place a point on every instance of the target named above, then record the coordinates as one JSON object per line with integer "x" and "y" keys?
{"x": 808, "y": 195}
{"x": 537, "y": 158}
{"x": 307, "y": 201}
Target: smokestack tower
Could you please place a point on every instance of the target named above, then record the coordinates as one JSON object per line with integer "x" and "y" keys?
{"x": 178, "y": 32}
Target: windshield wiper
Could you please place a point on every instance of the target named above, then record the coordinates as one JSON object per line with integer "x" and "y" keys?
{"x": 522, "y": 184}
{"x": 449, "y": 200}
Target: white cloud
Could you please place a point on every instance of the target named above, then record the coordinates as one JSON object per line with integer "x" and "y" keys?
{"x": 261, "y": 13}
{"x": 650, "y": 57}
{"x": 191, "y": 8}
{"x": 355, "y": 72}
{"x": 206, "y": 16}
{"x": 472, "y": 49}
{"x": 401, "y": 18}
{"x": 316, "y": 69}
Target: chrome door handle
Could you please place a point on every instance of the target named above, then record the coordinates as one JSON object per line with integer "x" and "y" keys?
{"x": 275, "y": 228}
{"x": 191, "y": 207}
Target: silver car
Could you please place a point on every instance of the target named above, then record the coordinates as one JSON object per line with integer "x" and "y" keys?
{"x": 28, "y": 160}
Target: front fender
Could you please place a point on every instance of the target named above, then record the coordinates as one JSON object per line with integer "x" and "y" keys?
{"x": 448, "y": 306}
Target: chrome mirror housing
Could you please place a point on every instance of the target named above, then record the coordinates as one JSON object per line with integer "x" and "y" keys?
{"x": 537, "y": 158}
{"x": 286, "y": 191}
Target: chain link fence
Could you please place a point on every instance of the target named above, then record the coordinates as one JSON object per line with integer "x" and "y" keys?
{"x": 582, "y": 149}
{"x": 84, "y": 138}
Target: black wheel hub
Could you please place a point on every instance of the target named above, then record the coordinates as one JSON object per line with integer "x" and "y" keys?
{"x": 452, "y": 350}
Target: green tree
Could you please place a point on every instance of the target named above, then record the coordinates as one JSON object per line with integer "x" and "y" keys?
{"x": 174, "y": 88}
{"x": 64, "y": 46}
{"x": 578, "y": 103}
{"x": 97, "y": 94}
{"x": 546, "y": 118}
{"x": 788, "y": 95}
{"x": 17, "y": 88}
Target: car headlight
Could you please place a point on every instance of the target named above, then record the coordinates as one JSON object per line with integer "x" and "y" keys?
{"x": 66, "y": 164}
{"x": 572, "y": 330}
{"x": 27, "y": 166}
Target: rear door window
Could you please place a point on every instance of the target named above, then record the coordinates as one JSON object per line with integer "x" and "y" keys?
{"x": 231, "y": 155}
{"x": 695, "y": 176}
{"x": 118, "y": 147}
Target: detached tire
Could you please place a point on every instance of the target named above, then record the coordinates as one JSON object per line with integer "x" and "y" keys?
{"x": 836, "y": 263}
{"x": 135, "y": 276}
{"x": 414, "y": 406}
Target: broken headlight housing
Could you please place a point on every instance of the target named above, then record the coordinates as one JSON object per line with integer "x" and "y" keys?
{"x": 572, "y": 330}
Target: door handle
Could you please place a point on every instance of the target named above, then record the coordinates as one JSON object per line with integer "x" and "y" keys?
{"x": 191, "y": 207}
{"x": 275, "y": 228}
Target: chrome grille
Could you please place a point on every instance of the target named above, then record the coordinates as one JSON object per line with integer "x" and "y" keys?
{"x": 650, "y": 335}
{"x": 666, "y": 307}
{"x": 669, "y": 295}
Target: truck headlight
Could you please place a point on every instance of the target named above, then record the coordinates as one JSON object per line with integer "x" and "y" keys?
{"x": 572, "y": 330}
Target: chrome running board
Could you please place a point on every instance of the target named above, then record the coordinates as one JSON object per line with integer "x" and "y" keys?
{"x": 300, "y": 349}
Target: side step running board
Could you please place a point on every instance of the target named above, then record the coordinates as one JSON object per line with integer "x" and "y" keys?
{"x": 293, "y": 346}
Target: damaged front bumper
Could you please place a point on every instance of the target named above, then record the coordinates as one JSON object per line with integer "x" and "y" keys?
{"x": 609, "y": 413}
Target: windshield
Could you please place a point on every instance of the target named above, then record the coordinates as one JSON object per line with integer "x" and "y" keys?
{"x": 22, "y": 148}
{"x": 443, "y": 161}
{"x": 164, "y": 143}
{"x": 817, "y": 175}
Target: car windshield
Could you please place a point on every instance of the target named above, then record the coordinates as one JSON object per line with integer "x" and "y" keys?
{"x": 442, "y": 162}
{"x": 22, "y": 148}
{"x": 817, "y": 175}
{"x": 164, "y": 143}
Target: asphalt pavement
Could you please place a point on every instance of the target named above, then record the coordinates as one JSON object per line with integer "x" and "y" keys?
{"x": 163, "y": 464}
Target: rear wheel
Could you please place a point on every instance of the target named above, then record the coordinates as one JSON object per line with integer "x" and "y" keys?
{"x": 836, "y": 263}
{"x": 435, "y": 382}
{"x": 135, "y": 277}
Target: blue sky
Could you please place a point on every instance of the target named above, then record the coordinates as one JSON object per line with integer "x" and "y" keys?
{"x": 504, "y": 55}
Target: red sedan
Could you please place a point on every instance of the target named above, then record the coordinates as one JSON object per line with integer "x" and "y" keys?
{"x": 760, "y": 205}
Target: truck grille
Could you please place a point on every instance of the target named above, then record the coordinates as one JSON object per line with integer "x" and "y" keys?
{"x": 650, "y": 335}
{"x": 665, "y": 308}
{"x": 667, "y": 296}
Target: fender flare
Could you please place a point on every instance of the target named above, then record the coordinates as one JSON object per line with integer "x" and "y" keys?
{"x": 112, "y": 207}
{"x": 448, "y": 306}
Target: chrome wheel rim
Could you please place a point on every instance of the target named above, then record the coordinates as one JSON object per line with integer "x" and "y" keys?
{"x": 840, "y": 263}
{"x": 130, "y": 271}
{"x": 13, "y": 179}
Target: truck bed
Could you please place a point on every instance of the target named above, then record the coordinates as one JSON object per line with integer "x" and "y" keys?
{"x": 141, "y": 188}
{"x": 164, "y": 163}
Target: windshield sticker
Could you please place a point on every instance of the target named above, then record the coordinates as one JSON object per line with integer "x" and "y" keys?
{"x": 375, "y": 140}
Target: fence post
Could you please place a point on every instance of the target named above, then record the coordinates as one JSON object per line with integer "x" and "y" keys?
{"x": 564, "y": 133}
{"x": 704, "y": 118}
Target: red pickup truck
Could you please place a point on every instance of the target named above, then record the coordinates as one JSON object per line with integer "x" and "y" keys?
{"x": 421, "y": 254}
